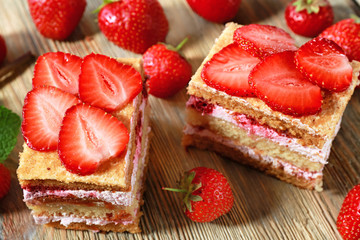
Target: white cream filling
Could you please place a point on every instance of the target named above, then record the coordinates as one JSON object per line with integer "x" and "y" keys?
{"x": 288, "y": 168}
{"x": 67, "y": 220}
{"x": 313, "y": 153}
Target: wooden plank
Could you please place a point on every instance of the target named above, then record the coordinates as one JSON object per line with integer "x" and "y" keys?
{"x": 264, "y": 208}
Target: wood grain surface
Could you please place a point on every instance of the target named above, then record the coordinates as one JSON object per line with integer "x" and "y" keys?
{"x": 265, "y": 208}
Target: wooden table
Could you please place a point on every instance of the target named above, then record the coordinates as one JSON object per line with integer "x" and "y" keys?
{"x": 265, "y": 208}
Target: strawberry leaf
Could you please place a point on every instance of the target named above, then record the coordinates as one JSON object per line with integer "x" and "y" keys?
{"x": 9, "y": 129}
{"x": 195, "y": 198}
{"x": 311, "y": 6}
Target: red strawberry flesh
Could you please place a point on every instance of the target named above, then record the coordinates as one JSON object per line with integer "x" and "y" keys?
{"x": 219, "y": 11}
{"x": 58, "y": 69}
{"x": 3, "y": 49}
{"x": 56, "y": 19}
{"x": 44, "y": 109}
{"x": 134, "y": 25}
{"x": 325, "y": 64}
{"x": 263, "y": 40}
{"x": 348, "y": 220}
{"x": 168, "y": 72}
{"x": 216, "y": 194}
{"x": 283, "y": 88}
{"x": 106, "y": 83}
{"x": 308, "y": 18}
{"x": 345, "y": 33}
{"x": 5, "y": 179}
{"x": 89, "y": 137}
{"x": 228, "y": 70}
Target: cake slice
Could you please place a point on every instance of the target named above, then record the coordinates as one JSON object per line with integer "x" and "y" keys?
{"x": 106, "y": 199}
{"x": 241, "y": 126}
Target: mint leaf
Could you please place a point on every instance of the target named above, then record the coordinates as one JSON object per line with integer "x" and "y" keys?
{"x": 9, "y": 129}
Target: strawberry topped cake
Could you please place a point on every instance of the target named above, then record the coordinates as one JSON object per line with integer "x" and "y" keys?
{"x": 260, "y": 100}
{"x": 86, "y": 130}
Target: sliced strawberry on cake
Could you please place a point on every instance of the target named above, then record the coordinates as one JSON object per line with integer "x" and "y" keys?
{"x": 106, "y": 83}
{"x": 228, "y": 70}
{"x": 277, "y": 82}
{"x": 263, "y": 40}
{"x": 325, "y": 64}
{"x": 58, "y": 69}
{"x": 44, "y": 109}
{"x": 90, "y": 136}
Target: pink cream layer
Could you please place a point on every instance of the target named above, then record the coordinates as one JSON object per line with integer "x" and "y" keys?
{"x": 67, "y": 220}
{"x": 252, "y": 127}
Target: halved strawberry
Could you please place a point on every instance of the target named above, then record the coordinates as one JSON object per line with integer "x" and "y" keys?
{"x": 58, "y": 69}
{"x": 263, "y": 40}
{"x": 283, "y": 88}
{"x": 44, "y": 109}
{"x": 107, "y": 83}
{"x": 228, "y": 70}
{"x": 88, "y": 137}
{"x": 325, "y": 64}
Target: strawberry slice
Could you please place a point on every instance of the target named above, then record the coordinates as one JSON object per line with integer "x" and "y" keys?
{"x": 88, "y": 137}
{"x": 107, "y": 83}
{"x": 228, "y": 70}
{"x": 325, "y": 64}
{"x": 44, "y": 109}
{"x": 263, "y": 40}
{"x": 58, "y": 69}
{"x": 283, "y": 88}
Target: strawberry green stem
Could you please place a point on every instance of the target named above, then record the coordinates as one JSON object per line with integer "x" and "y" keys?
{"x": 178, "y": 47}
{"x": 187, "y": 187}
{"x": 174, "y": 190}
{"x": 103, "y": 5}
{"x": 355, "y": 17}
{"x": 181, "y": 44}
{"x": 311, "y": 6}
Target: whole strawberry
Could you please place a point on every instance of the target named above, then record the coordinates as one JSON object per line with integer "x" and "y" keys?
{"x": 207, "y": 194}
{"x": 346, "y": 34}
{"x": 167, "y": 71}
{"x": 5, "y": 180}
{"x": 56, "y": 19}
{"x": 348, "y": 221}
{"x": 309, "y": 17}
{"x": 218, "y": 11}
{"x": 3, "y": 49}
{"x": 134, "y": 25}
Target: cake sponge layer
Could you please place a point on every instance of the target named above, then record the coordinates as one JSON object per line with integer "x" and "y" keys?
{"x": 92, "y": 210}
{"x": 242, "y": 138}
{"x": 130, "y": 227}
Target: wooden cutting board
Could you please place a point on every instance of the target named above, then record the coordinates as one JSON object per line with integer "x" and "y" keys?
{"x": 265, "y": 208}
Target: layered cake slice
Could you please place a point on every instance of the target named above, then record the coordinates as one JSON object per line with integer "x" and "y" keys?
{"x": 86, "y": 153}
{"x": 259, "y": 100}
